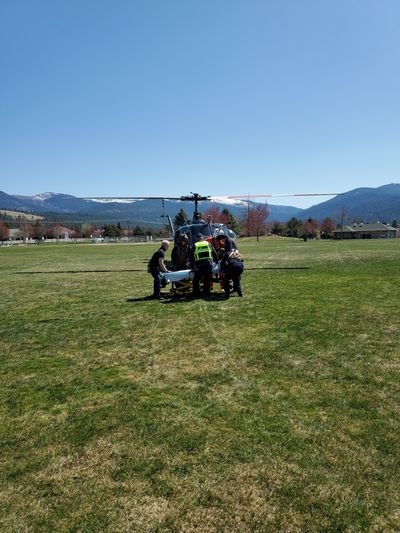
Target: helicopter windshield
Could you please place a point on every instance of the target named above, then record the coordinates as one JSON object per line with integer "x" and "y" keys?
{"x": 208, "y": 230}
{"x": 193, "y": 230}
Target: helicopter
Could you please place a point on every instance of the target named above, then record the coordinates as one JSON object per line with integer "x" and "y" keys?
{"x": 181, "y": 281}
{"x": 198, "y": 225}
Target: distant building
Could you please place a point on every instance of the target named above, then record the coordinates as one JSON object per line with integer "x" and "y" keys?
{"x": 376, "y": 230}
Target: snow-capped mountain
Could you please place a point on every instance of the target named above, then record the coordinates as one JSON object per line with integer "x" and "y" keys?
{"x": 125, "y": 208}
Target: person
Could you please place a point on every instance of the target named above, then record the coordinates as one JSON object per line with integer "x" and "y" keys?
{"x": 201, "y": 261}
{"x": 180, "y": 253}
{"x": 219, "y": 252}
{"x": 157, "y": 265}
{"x": 226, "y": 243}
{"x": 232, "y": 268}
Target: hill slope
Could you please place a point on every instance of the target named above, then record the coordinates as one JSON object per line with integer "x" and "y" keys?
{"x": 366, "y": 203}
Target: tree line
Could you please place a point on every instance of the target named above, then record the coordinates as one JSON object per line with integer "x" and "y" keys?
{"x": 253, "y": 224}
{"x": 40, "y": 230}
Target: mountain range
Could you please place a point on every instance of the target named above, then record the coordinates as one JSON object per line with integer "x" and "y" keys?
{"x": 367, "y": 204}
{"x": 73, "y": 209}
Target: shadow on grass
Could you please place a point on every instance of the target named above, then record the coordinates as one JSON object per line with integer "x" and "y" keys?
{"x": 147, "y": 298}
{"x": 176, "y": 298}
{"x": 277, "y": 268}
{"x": 79, "y": 271}
{"x": 137, "y": 270}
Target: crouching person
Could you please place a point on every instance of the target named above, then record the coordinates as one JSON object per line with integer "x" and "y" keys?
{"x": 156, "y": 266}
{"x": 232, "y": 268}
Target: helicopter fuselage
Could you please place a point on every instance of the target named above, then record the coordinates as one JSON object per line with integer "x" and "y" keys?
{"x": 207, "y": 229}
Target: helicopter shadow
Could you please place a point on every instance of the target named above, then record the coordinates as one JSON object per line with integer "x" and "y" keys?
{"x": 99, "y": 271}
{"x": 109, "y": 270}
{"x": 276, "y": 268}
{"x": 177, "y": 298}
{"x": 164, "y": 298}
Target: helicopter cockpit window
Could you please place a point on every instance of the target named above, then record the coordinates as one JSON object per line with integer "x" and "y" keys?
{"x": 196, "y": 229}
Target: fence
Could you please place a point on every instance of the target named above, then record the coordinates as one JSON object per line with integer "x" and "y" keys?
{"x": 78, "y": 240}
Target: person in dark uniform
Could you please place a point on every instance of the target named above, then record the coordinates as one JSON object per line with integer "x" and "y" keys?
{"x": 226, "y": 243}
{"x": 202, "y": 255}
{"x": 180, "y": 253}
{"x": 156, "y": 265}
{"x": 232, "y": 268}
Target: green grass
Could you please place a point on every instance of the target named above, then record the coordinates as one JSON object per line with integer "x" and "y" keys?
{"x": 275, "y": 412}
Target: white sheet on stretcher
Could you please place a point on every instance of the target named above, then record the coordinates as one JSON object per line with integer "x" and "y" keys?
{"x": 179, "y": 276}
{"x": 184, "y": 275}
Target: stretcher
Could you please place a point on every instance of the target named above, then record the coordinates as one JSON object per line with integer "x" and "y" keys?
{"x": 181, "y": 280}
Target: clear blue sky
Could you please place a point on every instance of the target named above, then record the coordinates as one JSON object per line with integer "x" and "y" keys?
{"x": 164, "y": 97}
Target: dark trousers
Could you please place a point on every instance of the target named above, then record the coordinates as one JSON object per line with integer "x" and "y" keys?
{"x": 233, "y": 272}
{"x": 157, "y": 282}
{"x": 202, "y": 272}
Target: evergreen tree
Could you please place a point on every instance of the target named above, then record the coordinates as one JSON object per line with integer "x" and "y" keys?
{"x": 277, "y": 228}
{"x": 294, "y": 228}
{"x": 138, "y": 231}
{"x": 180, "y": 218}
{"x": 112, "y": 230}
{"x": 231, "y": 220}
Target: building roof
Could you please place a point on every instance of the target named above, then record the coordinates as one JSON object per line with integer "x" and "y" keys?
{"x": 361, "y": 228}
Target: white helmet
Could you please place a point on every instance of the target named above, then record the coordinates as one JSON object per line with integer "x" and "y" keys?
{"x": 218, "y": 231}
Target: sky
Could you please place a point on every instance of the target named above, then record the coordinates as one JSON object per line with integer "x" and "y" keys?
{"x": 219, "y": 97}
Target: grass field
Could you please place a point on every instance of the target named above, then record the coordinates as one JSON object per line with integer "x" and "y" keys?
{"x": 278, "y": 411}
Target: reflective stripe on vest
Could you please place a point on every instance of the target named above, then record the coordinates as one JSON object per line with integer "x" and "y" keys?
{"x": 202, "y": 250}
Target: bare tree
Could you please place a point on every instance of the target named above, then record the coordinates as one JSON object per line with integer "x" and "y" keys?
{"x": 38, "y": 230}
{"x": 215, "y": 215}
{"x": 310, "y": 228}
{"x": 4, "y": 231}
{"x": 26, "y": 229}
{"x": 87, "y": 230}
{"x": 343, "y": 214}
{"x": 255, "y": 223}
{"x": 327, "y": 228}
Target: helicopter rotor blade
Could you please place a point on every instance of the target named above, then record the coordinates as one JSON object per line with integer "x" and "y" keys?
{"x": 131, "y": 197}
{"x": 245, "y": 196}
{"x": 194, "y": 197}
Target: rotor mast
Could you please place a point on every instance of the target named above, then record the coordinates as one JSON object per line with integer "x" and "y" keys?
{"x": 196, "y": 198}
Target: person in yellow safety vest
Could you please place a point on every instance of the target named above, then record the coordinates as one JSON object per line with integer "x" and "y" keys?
{"x": 202, "y": 255}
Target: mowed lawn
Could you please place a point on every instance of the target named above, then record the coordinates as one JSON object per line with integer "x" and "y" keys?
{"x": 278, "y": 411}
